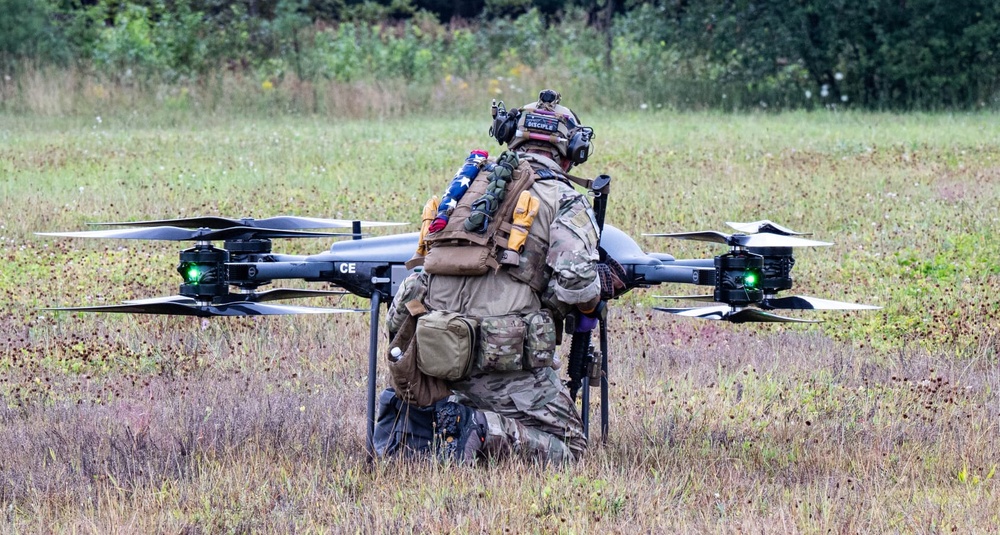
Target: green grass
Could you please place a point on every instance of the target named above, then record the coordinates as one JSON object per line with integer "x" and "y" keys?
{"x": 871, "y": 421}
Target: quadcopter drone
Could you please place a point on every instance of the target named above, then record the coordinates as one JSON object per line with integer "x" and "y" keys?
{"x": 225, "y": 281}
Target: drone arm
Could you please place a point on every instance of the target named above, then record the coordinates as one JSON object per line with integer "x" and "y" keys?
{"x": 268, "y": 271}
{"x": 683, "y": 274}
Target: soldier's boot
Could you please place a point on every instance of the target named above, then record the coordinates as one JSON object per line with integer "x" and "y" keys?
{"x": 461, "y": 432}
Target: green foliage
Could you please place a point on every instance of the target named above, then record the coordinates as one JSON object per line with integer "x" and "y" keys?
{"x": 27, "y": 31}
{"x": 881, "y": 53}
{"x": 129, "y": 44}
{"x": 718, "y": 53}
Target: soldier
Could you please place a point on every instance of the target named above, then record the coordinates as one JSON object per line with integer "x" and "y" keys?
{"x": 503, "y": 263}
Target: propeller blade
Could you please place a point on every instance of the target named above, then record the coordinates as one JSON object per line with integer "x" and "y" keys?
{"x": 755, "y": 315}
{"x": 176, "y": 308}
{"x": 182, "y": 234}
{"x": 775, "y": 240}
{"x": 287, "y": 293}
{"x": 707, "y": 298}
{"x": 156, "y": 300}
{"x": 744, "y": 240}
{"x": 709, "y": 313}
{"x": 278, "y": 223}
{"x": 705, "y": 235}
{"x": 801, "y": 302}
{"x": 296, "y": 222}
{"x": 253, "y": 297}
{"x": 764, "y": 225}
{"x": 725, "y": 312}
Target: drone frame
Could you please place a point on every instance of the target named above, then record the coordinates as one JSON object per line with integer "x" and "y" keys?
{"x": 374, "y": 268}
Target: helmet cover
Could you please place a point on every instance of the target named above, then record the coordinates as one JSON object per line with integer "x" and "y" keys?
{"x": 547, "y": 125}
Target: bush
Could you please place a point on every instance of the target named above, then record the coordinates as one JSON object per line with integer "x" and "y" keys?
{"x": 717, "y": 53}
{"x": 28, "y": 32}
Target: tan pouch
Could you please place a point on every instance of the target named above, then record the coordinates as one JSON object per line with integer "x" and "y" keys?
{"x": 539, "y": 340}
{"x": 501, "y": 344}
{"x": 463, "y": 260}
{"x": 412, "y": 385}
{"x": 446, "y": 343}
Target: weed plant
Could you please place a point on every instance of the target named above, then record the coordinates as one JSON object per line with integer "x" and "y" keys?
{"x": 882, "y": 421}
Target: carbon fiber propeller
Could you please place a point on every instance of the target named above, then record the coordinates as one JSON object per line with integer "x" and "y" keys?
{"x": 792, "y": 302}
{"x": 733, "y": 315}
{"x": 175, "y": 308}
{"x": 277, "y": 223}
{"x": 250, "y": 297}
{"x": 764, "y": 225}
{"x": 184, "y": 234}
{"x": 744, "y": 240}
{"x": 802, "y": 302}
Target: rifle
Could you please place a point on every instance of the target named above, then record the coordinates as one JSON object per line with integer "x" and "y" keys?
{"x": 583, "y": 366}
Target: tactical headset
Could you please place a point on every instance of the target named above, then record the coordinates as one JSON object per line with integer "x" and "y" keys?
{"x": 532, "y": 123}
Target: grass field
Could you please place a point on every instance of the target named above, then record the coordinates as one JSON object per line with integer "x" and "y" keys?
{"x": 883, "y": 421}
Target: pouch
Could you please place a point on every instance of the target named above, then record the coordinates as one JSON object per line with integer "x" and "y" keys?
{"x": 446, "y": 344}
{"x": 501, "y": 344}
{"x": 464, "y": 260}
{"x": 411, "y": 384}
{"x": 539, "y": 340}
{"x": 531, "y": 268}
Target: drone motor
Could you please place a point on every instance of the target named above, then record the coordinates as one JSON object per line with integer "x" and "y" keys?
{"x": 738, "y": 275}
{"x": 777, "y": 269}
{"x": 247, "y": 250}
{"x": 203, "y": 268}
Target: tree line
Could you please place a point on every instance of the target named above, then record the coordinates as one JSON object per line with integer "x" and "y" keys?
{"x": 874, "y": 54}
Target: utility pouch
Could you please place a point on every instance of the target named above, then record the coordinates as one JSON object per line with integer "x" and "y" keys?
{"x": 412, "y": 385}
{"x": 446, "y": 344}
{"x": 531, "y": 268}
{"x": 463, "y": 260}
{"x": 539, "y": 340}
{"x": 501, "y": 346}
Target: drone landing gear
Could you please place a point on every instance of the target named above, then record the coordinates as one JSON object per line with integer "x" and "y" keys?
{"x": 585, "y": 396}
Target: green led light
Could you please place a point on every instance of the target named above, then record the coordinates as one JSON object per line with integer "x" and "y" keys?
{"x": 191, "y": 272}
{"x": 750, "y": 279}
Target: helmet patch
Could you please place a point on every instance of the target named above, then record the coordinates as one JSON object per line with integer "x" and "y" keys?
{"x": 534, "y": 121}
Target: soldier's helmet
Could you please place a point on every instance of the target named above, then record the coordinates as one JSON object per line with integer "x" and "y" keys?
{"x": 545, "y": 125}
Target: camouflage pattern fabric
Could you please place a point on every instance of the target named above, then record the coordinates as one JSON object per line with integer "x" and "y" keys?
{"x": 412, "y": 287}
{"x": 501, "y": 344}
{"x": 540, "y": 341}
{"x": 573, "y": 251}
{"x": 528, "y": 413}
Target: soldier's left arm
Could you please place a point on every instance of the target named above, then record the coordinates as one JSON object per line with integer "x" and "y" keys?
{"x": 573, "y": 254}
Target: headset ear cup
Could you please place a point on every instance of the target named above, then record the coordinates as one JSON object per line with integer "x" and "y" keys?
{"x": 504, "y": 128}
{"x": 579, "y": 148}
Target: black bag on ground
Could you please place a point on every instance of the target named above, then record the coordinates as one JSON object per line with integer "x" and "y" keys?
{"x": 403, "y": 428}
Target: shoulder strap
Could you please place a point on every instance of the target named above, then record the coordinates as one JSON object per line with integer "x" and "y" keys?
{"x": 585, "y": 183}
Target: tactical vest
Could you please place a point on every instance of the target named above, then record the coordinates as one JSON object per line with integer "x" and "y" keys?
{"x": 457, "y": 251}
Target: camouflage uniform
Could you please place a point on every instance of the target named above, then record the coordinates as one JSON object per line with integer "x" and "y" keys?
{"x": 529, "y": 412}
